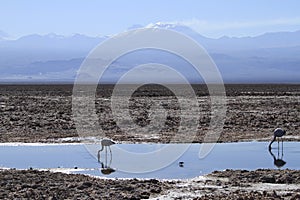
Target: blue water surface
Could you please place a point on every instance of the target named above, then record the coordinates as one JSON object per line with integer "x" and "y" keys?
{"x": 77, "y": 159}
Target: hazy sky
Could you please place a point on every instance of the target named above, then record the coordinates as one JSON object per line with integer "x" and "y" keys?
{"x": 213, "y": 18}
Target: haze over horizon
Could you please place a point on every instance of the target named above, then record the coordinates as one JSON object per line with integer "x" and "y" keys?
{"x": 5, "y": 36}
{"x": 250, "y": 41}
{"x": 269, "y": 58}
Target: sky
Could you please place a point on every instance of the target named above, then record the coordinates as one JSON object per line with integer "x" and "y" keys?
{"x": 211, "y": 18}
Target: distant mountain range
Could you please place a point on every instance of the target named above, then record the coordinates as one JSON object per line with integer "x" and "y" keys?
{"x": 271, "y": 57}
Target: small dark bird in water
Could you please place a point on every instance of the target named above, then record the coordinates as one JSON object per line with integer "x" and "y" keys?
{"x": 181, "y": 164}
{"x": 278, "y": 133}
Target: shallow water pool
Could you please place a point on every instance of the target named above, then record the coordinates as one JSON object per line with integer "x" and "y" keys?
{"x": 75, "y": 158}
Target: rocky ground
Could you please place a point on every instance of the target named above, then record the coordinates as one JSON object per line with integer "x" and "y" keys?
{"x": 229, "y": 184}
{"x": 43, "y": 113}
{"x": 238, "y": 185}
{"x": 33, "y": 184}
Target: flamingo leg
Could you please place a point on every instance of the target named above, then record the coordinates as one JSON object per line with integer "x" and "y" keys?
{"x": 98, "y": 155}
{"x": 281, "y": 148}
{"x": 105, "y": 156}
{"x": 110, "y": 156}
{"x": 110, "y": 150}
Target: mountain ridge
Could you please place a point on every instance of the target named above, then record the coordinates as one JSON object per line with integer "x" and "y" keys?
{"x": 271, "y": 56}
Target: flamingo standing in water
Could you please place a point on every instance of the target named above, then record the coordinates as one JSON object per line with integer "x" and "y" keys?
{"x": 278, "y": 133}
{"x": 105, "y": 143}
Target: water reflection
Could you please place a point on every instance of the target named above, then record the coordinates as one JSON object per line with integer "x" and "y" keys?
{"x": 106, "y": 169}
{"x": 244, "y": 155}
{"x": 278, "y": 161}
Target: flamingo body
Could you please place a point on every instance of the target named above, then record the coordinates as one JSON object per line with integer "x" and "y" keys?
{"x": 106, "y": 143}
{"x": 278, "y": 133}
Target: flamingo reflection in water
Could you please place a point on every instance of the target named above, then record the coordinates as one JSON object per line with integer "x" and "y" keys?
{"x": 278, "y": 161}
{"x": 105, "y": 166}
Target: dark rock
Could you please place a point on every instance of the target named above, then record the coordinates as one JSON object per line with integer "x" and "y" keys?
{"x": 268, "y": 179}
{"x": 295, "y": 196}
{"x": 87, "y": 184}
{"x": 154, "y": 181}
{"x": 145, "y": 195}
{"x": 155, "y": 190}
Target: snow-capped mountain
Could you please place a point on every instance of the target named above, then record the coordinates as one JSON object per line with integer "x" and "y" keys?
{"x": 181, "y": 29}
{"x": 267, "y": 40}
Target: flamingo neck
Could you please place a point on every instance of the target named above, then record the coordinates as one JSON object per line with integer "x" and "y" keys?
{"x": 272, "y": 142}
{"x": 102, "y": 147}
